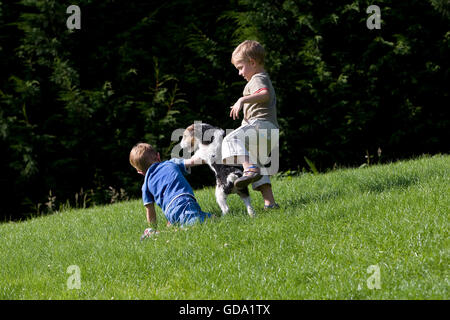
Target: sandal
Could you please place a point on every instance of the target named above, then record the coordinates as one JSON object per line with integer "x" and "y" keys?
{"x": 248, "y": 177}
{"x": 271, "y": 206}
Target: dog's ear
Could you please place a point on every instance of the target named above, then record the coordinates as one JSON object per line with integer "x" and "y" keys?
{"x": 209, "y": 137}
{"x": 190, "y": 128}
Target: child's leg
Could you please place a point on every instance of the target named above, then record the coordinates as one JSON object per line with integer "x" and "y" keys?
{"x": 265, "y": 187}
{"x": 251, "y": 174}
{"x": 191, "y": 213}
{"x": 267, "y": 194}
{"x": 236, "y": 150}
{"x": 245, "y": 162}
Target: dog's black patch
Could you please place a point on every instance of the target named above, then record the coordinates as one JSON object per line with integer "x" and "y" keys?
{"x": 243, "y": 192}
{"x": 206, "y": 137}
{"x": 222, "y": 172}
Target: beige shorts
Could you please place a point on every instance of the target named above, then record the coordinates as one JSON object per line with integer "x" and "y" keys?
{"x": 257, "y": 139}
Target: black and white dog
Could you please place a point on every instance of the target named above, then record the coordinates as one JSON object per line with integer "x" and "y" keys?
{"x": 206, "y": 141}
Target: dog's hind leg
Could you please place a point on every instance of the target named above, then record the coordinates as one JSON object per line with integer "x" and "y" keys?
{"x": 245, "y": 196}
{"x": 221, "y": 199}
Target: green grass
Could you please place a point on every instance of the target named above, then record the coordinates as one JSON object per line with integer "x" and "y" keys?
{"x": 330, "y": 229}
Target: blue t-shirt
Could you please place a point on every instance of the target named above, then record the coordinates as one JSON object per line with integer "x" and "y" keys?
{"x": 164, "y": 181}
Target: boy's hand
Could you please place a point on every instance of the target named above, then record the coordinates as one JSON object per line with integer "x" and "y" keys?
{"x": 260, "y": 96}
{"x": 236, "y": 108}
{"x": 149, "y": 232}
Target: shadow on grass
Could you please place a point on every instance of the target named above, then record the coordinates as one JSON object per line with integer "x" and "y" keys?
{"x": 367, "y": 183}
{"x": 308, "y": 198}
{"x": 372, "y": 184}
{"x": 381, "y": 184}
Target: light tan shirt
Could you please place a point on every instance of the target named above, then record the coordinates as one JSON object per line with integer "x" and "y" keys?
{"x": 263, "y": 111}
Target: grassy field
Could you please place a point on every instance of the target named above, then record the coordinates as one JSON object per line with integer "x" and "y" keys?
{"x": 380, "y": 232}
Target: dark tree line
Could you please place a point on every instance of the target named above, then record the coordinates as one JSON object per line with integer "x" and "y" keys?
{"x": 73, "y": 102}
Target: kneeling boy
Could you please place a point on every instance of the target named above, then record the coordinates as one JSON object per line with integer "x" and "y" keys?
{"x": 166, "y": 185}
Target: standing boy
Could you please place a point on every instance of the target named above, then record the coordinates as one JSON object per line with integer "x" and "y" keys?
{"x": 259, "y": 109}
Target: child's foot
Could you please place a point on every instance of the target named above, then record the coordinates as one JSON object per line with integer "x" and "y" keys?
{"x": 250, "y": 175}
{"x": 271, "y": 206}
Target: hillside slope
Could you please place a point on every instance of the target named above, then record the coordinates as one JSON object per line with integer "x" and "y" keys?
{"x": 372, "y": 233}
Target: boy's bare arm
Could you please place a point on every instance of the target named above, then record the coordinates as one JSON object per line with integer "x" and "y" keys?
{"x": 260, "y": 97}
{"x": 192, "y": 162}
{"x": 151, "y": 215}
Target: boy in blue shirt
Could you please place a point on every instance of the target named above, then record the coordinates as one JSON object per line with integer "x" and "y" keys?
{"x": 166, "y": 185}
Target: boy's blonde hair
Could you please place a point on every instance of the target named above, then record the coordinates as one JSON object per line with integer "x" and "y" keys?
{"x": 142, "y": 156}
{"x": 249, "y": 49}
